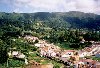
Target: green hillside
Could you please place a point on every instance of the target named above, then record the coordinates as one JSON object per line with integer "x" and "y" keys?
{"x": 71, "y": 19}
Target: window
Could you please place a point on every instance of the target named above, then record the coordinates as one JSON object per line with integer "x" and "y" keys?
{"x": 87, "y": 62}
{"x": 69, "y": 53}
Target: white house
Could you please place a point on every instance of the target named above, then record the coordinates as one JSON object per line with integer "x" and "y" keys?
{"x": 67, "y": 53}
{"x": 39, "y": 45}
{"x": 79, "y": 63}
{"x": 14, "y": 53}
{"x": 95, "y": 50}
{"x": 86, "y": 63}
{"x": 18, "y": 54}
{"x": 84, "y": 53}
{"x": 42, "y": 53}
{"x": 21, "y": 56}
{"x": 53, "y": 54}
{"x": 30, "y": 38}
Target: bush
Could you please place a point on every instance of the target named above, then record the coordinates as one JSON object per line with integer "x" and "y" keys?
{"x": 15, "y": 63}
{"x": 36, "y": 41}
{"x": 56, "y": 66}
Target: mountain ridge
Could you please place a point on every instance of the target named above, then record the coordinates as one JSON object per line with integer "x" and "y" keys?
{"x": 72, "y": 19}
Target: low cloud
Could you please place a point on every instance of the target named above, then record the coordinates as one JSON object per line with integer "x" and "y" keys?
{"x": 92, "y": 6}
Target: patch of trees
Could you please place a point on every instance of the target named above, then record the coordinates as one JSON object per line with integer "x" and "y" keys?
{"x": 3, "y": 52}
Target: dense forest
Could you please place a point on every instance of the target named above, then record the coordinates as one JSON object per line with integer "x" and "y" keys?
{"x": 71, "y": 19}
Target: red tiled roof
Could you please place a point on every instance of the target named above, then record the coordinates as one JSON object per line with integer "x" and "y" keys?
{"x": 69, "y": 50}
{"x": 89, "y": 60}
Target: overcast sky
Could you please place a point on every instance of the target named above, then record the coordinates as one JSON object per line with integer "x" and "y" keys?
{"x": 30, "y": 6}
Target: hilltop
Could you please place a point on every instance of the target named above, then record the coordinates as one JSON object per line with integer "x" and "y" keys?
{"x": 72, "y": 19}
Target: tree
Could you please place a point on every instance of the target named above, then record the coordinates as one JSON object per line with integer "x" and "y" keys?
{"x": 3, "y": 52}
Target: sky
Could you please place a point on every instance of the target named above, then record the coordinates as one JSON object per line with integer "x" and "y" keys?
{"x": 31, "y": 6}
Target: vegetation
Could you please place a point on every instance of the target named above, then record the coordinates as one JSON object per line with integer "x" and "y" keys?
{"x": 16, "y": 63}
{"x": 66, "y": 30}
{"x": 96, "y": 58}
{"x": 54, "y": 20}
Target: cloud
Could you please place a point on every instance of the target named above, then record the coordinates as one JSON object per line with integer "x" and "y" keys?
{"x": 86, "y": 5}
{"x": 17, "y": 10}
{"x": 92, "y": 6}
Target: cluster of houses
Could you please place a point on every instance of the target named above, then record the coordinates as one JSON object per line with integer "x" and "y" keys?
{"x": 31, "y": 38}
{"x": 87, "y": 63}
{"x": 47, "y": 50}
{"x": 13, "y": 53}
{"x": 71, "y": 57}
{"x": 93, "y": 50}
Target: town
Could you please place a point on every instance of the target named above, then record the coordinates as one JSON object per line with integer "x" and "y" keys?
{"x": 75, "y": 58}
{"x": 49, "y": 40}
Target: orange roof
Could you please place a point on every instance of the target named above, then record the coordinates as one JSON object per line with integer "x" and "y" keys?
{"x": 69, "y": 50}
{"x": 89, "y": 60}
{"x": 98, "y": 63}
{"x": 65, "y": 51}
{"x": 45, "y": 48}
{"x": 88, "y": 49}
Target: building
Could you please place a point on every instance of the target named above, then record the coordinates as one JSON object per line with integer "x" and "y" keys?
{"x": 30, "y": 38}
{"x": 97, "y": 54}
{"x": 87, "y": 63}
{"x": 67, "y": 53}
